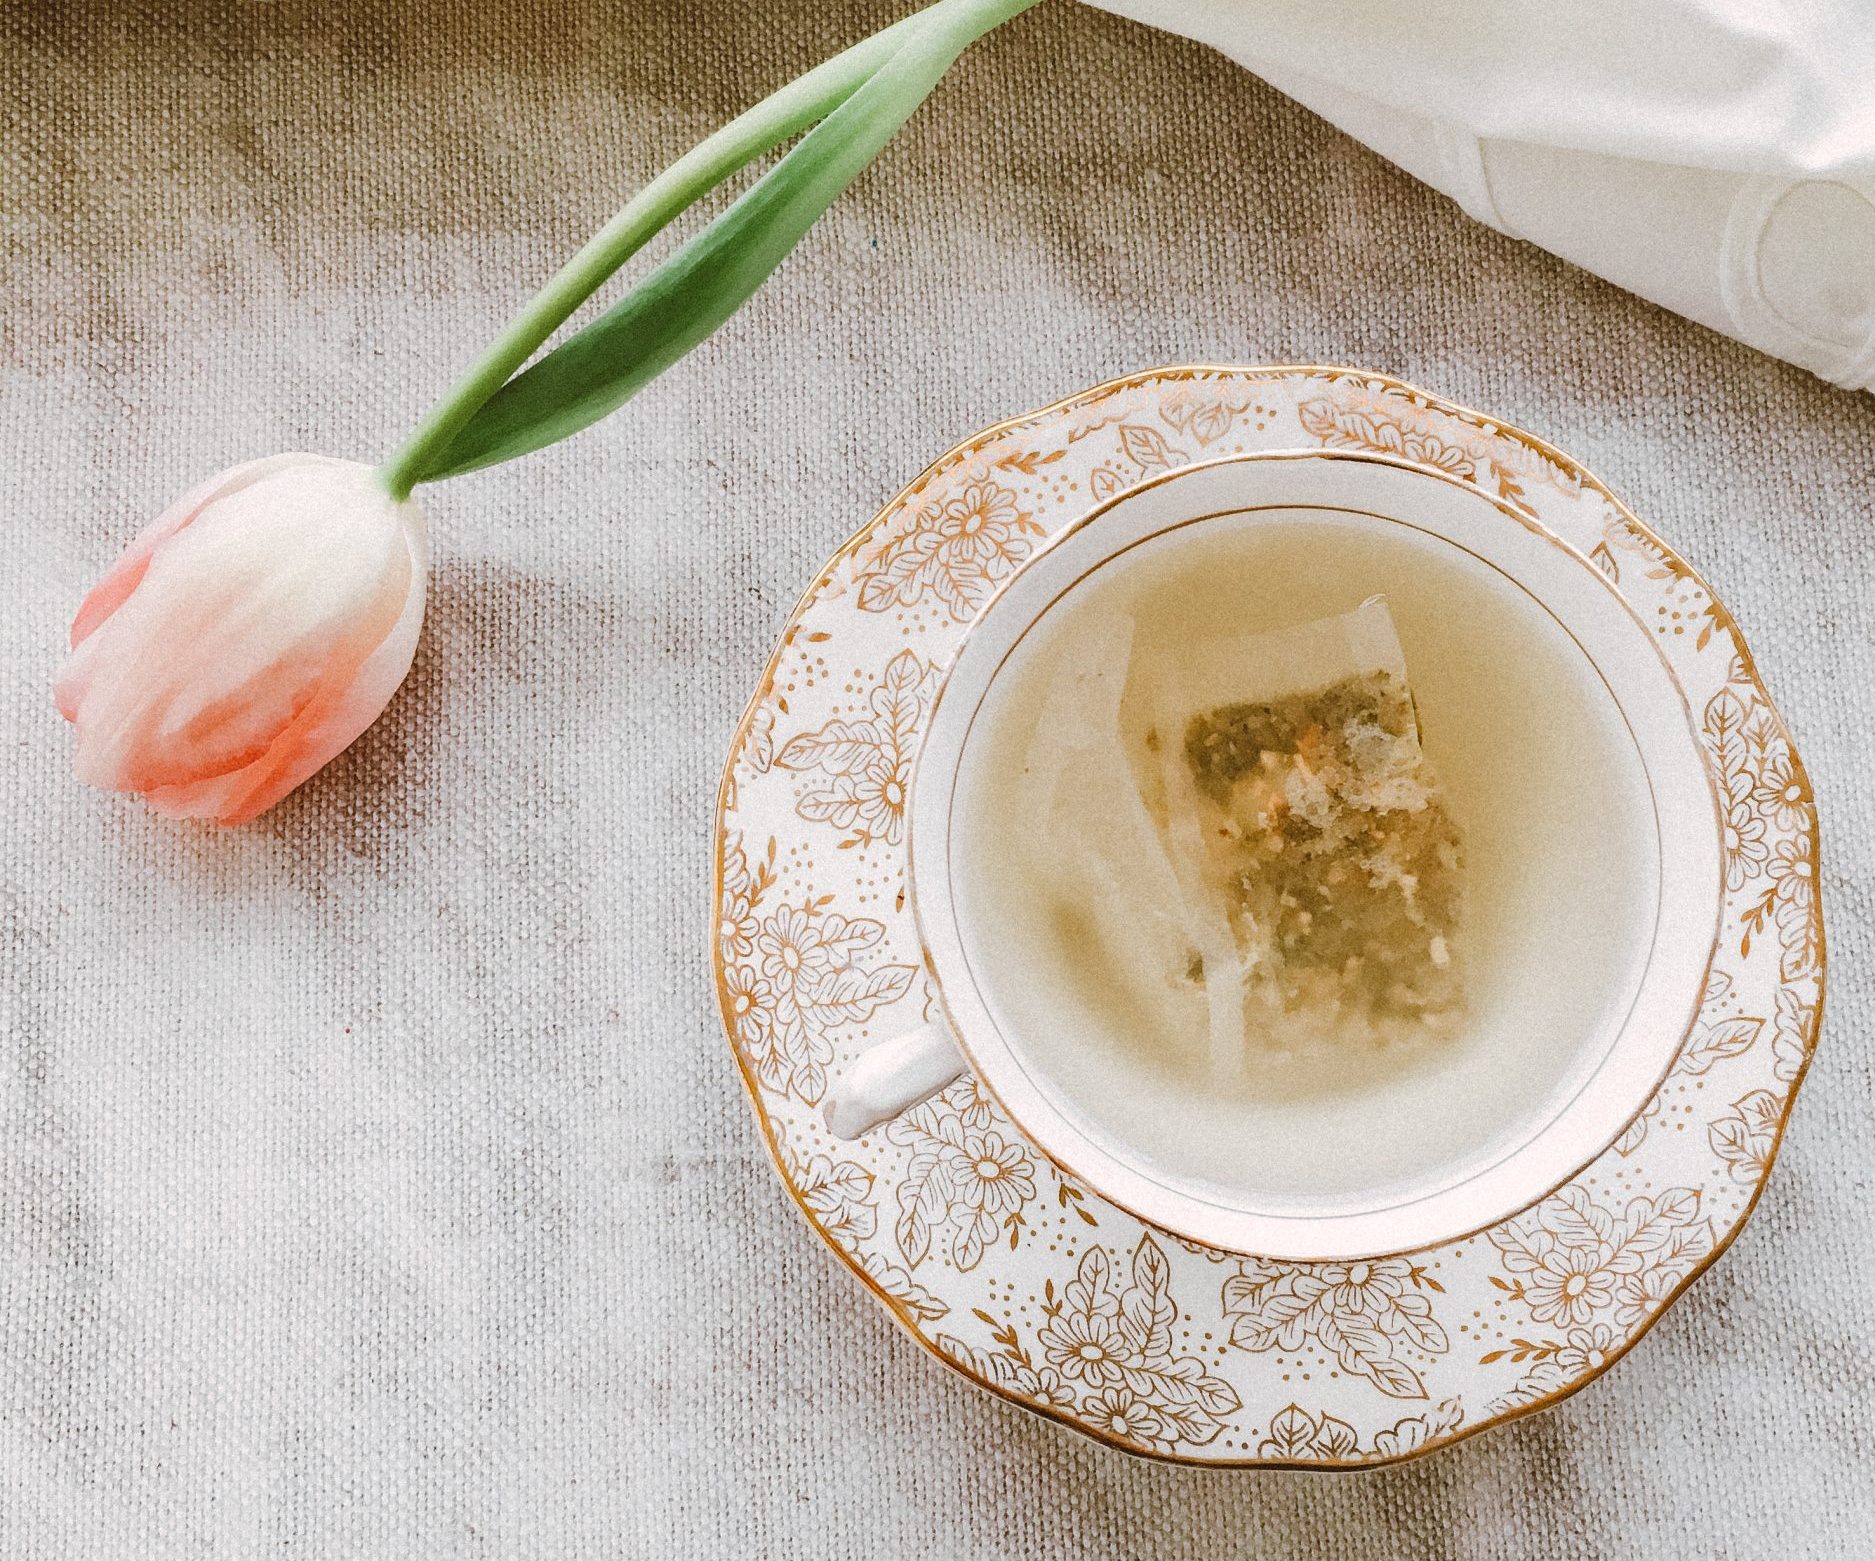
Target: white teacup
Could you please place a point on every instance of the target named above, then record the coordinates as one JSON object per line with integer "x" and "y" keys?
{"x": 1571, "y": 760}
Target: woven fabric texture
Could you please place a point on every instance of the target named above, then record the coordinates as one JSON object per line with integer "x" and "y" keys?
{"x": 374, "y": 1179}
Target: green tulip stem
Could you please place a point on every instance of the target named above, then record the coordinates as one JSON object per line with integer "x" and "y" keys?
{"x": 803, "y": 102}
{"x": 893, "y": 64}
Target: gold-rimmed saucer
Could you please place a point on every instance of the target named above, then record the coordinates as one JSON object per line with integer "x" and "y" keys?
{"x": 1027, "y": 1281}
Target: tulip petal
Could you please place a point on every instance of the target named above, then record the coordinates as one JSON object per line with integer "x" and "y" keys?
{"x": 238, "y": 622}
{"x": 332, "y": 722}
{"x": 247, "y": 638}
{"x": 122, "y": 577}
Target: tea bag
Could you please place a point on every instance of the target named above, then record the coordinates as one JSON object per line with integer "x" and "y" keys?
{"x": 1285, "y": 774}
{"x": 1115, "y": 898}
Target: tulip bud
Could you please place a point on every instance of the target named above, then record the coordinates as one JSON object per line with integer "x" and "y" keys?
{"x": 246, "y": 637}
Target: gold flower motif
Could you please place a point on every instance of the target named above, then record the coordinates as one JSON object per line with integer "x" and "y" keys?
{"x": 1587, "y": 1349}
{"x": 957, "y": 549}
{"x": 1388, "y": 430}
{"x": 1793, "y": 889}
{"x": 1010, "y": 1368}
{"x": 1086, "y": 1346}
{"x": 793, "y": 954}
{"x": 1123, "y": 1413}
{"x": 1598, "y": 1270}
{"x": 1742, "y": 835}
{"x": 1790, "y": 1041}
{"x": 811, "y": 961}
{"x": 1047, "y": 1387}
{"x": 1365, "y": 1289}
{"x": 974, "y": 1104}
{"x": 1783, "y": 794}
{"x": 1569, "y": 1286}
{"x": 1395, "y": 423}
{"x": 1552, "y": 1364}
{"x": 967, "y": 1184}
{"x": 1369, "y": 1317}
{"x": 751, "y": 1002}
{"x": 1574, "y": 1260}
{"x": 1621, "y": 1257}
{"x": 1640, "y": 1295}
{"x": 738, "y": 927}
{"x": 1794, "y": 872}
{"x": 879, "y": 798}
{"x": 1108, "y": 1343}
{"x": 981, "y": 522}
{"x": 743, "y": 888}
{"x": 993, "y": 1175}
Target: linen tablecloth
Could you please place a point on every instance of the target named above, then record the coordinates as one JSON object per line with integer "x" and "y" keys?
{"x": 374, "y": 1180}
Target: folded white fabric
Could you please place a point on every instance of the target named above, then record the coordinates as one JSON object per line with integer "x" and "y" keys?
{"x": 1715, "y": 156}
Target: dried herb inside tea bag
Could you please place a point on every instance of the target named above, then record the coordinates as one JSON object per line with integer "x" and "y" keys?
{"x": 1286, "y": 772}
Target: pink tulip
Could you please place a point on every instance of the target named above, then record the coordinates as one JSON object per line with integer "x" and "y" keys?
{"x": 246, "y": 637}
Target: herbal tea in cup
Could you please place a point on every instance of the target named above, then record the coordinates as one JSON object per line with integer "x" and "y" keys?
{"x": 1312, "y": 855}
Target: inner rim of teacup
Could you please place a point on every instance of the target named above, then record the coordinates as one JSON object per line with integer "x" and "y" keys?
{"x": 1188, "y": 1205}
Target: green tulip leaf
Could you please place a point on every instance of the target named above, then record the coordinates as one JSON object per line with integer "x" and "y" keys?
{"x": 688, "y": 296}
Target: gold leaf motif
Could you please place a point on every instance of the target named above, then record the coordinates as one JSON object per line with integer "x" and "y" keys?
{"x": 1296, "y": 1436}
{"x": 1107, "y": 1352}
{"x": 839, "y": 1194}
{"x": 1028, "y": 462}
{"x": 1116, "y": 1339}
{"x": 1793, "y": 1034}
{"x": 1404, "y": 426}
{"x": 1410, "y": 1435}
{"x": 862, "y": 766}
{"x": 803, "y": 979}
{"x": 1205, "y": 411}
{"x": 1009, "y": 1368}
{"x": 1636, "y": 1133}
{"x": 917, "y": 1301}
{"x": 1711, "y": 1043}
{"x": 1361, "y": 1315}
{"x": 1552, "y": 1364}
{"x": 1799, "y": 917}
{"x": 1148, "y": 448}
{"x": 1746, "y": 1135}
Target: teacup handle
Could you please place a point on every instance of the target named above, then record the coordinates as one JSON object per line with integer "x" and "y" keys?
{"x": 891, "y": 1077}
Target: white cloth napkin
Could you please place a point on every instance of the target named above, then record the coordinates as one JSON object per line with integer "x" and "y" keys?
{"x": 1715, "y": 156}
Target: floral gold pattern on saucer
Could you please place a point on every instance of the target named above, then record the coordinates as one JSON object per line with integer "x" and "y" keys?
{"x": 1031, "y": 1284}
